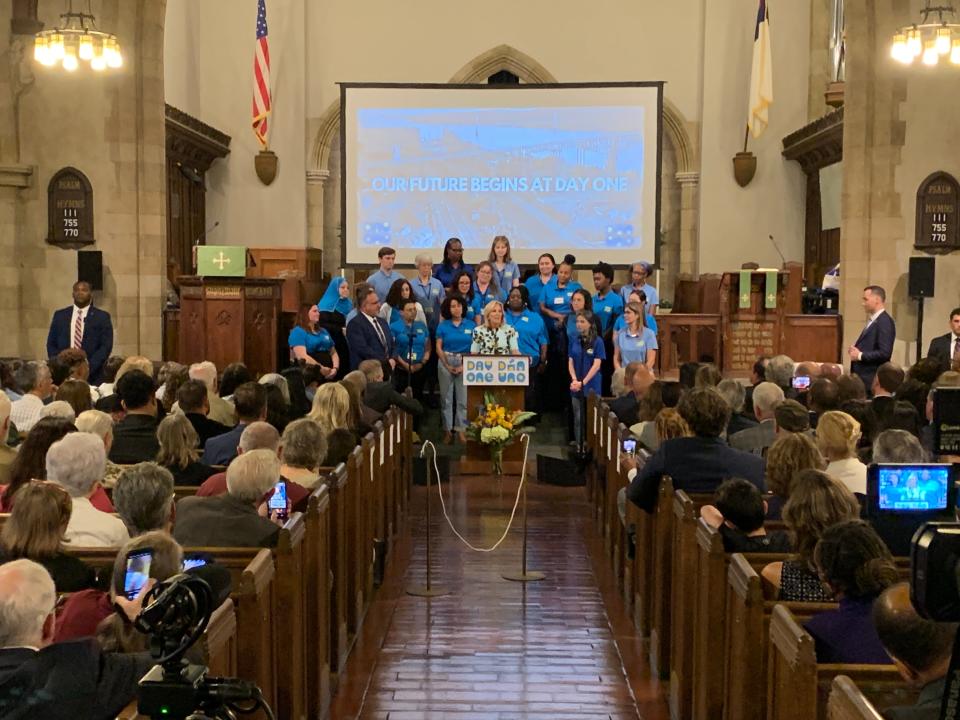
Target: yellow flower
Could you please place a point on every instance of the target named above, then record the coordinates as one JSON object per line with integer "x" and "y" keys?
{"x": 507, "y": 424}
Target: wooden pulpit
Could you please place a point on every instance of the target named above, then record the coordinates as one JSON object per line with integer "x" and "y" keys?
{"x": 505, "y": 377}
{"x": 228, "y": 320}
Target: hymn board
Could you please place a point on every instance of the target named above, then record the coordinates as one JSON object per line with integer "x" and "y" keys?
{"x": 69, "y": 209}
{"x": 938, "y": 229}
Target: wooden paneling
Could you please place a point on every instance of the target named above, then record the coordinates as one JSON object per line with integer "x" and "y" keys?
{"x": 812, "y": 337}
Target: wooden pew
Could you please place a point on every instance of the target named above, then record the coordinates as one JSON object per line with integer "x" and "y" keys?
{"x": 660, "y": 564}
{"x": 182, "y": 491}
{"x": 354, "y": 537}
{"x": 289, "y": 627}
{"x": 219, "y": 644}
{"x": 846, "y": 702}
{"x": 317, "y": 569}
{"x": 338, "y": 481}
{"x": 798, "y": 686}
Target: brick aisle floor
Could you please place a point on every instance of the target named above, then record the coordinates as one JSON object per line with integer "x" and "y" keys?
{"x": 493, "y": 648}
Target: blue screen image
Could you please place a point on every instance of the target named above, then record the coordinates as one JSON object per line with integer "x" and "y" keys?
{"x": 913, "y": 487}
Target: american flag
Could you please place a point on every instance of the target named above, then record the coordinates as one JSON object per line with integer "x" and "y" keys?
{"x": 262, "y": 105}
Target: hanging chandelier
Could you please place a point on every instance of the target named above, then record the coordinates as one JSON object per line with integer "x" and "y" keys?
{"x": 77, "y": 38}
{"x": 929, "y": 40}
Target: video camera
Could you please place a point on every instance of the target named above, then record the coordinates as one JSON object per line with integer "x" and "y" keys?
{"x": 175, "y": 613}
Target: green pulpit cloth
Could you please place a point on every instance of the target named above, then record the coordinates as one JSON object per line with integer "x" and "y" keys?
{"x": 221, "y": 260}
{"x": 745, "y": 288}
{"x": 770, "y": 292}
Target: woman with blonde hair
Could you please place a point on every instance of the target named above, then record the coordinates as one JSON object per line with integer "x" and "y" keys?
{"x": 790, "y": 454}
{"x": 35, "y": 531}
{"x": 837, "y": 438}
{"x": 505, "y": 271}
{"x": 331, "y": 407}
{"x": 494, "y": 336}
{"x": 178, "y": 451}
{"x": 670, "y": 424}
{"x": 816, "y": 502}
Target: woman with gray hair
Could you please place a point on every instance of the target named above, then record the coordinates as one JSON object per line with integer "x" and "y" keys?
{"x": 101, "y": 424}
{"x": 898, "y": 446}
{"x": 144, "y": 498}
{"x": 304, "y": 447}
{"x": 76, "y": 463}
{"x": 178, "y": 451}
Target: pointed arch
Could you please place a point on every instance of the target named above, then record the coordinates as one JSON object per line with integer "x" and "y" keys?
{"x": 503, "y": 57}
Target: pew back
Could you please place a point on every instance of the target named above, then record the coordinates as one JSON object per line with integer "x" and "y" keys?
{"x": 846, "y": 702}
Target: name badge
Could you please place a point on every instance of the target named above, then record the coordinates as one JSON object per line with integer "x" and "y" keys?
{"x": 570, "y": 294}
{"x": 508, "y": 273}
{"x": 414, "y": 357}
{"x": 524, "y": 319}
{"x": 434, "y": 292}
{"x": 468, "y": 332}
{"x": 558, "y": 301}
{"x": 589, "y": 351}
{"x": 607, "y": 309}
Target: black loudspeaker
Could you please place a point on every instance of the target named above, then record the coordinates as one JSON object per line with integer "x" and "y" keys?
{"x": 921, "y": 277}
{"x": 556, "y": 471}
{"x": 90, "y": 268}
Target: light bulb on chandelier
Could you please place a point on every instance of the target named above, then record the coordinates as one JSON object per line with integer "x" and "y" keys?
{"x": 936, "y": 35}
{"x": 77, "y": 38}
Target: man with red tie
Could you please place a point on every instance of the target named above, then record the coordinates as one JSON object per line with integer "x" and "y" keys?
{"x": 946, "y": 348}
{"x": 82, "y": 326}
{"x": 875, "y": 345}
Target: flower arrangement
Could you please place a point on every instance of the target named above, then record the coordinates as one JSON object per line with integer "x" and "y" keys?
{"x": 497, "y": 427}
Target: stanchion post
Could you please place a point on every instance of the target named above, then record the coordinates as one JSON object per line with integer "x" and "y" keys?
{"x": 428, "y": 590}
{"x": 524, "y": 575}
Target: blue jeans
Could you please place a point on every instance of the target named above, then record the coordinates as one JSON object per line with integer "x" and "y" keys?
{"x": 450, "y": 384}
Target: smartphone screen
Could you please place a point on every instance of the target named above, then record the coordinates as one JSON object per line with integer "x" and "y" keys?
{"x": 193, "y": 562}
{"x": 138, "y": 572}
{"x": 278, "y": 501}
{"x": 630, "y": 446}
{"x": 801, "y": 383}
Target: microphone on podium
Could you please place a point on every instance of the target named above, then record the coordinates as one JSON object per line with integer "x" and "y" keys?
{"x": 196, "y": 243}
{"x": 777, "y": 248}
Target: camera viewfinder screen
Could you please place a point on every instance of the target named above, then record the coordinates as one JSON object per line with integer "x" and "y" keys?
{"x": 913, "y": 488}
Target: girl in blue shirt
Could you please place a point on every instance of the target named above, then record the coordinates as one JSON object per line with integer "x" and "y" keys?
{"x": 411, "y": 342}
{"x": 555, "y": 298}
{"x": 399, "y": 293}
{"x": 311, "y": 344}
{"x": 635, "y": 343}
{"x": 546, "y": 266}
{"x": 581, "y": 300}
{"x": 454, "y": 335}
{"x": 505, "y": 271}
{"x": 485, "y": 290}
{"x": 585, "y": 355}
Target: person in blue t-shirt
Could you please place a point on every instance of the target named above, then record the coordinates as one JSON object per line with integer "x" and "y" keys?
{"x": 506, "y": 272}
{"x": 637, "y": 296}
{"x": 428, "y": 291}
{"x": 384, "y": 278}
{"x": 485, "y": 290}
{"x": 311, "y": 344}
{"x": 454, "y": 336}
{"x": 531, "y": 339}
{"x": 585, "y": 355}
{"x": 546, "y": 266}
{"x": 635, "y": 343}
{"x": 411, "y": 342}
{"x": 555, "y": 298}
{"x": 446, "y": 271}
{"x": 639, "y": 274}
{"x": 608, "y": 307}
{"x": 580, "y": 300}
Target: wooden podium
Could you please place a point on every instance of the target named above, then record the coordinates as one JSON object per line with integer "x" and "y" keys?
{"x": 506, "y": 378}
{"x": 228, "y": 320}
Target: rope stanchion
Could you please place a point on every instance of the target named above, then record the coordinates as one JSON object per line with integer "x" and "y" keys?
{"x": 429, "y": 590}
{"x": 524, "y": 575}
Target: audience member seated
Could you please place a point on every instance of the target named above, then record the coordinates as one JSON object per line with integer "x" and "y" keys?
{"x": 278, "y": 409}
{"x": 913, "y": 393}
{"x": 837, "y": 438}
{"x": 58, "y": 409}
{"x": 708, "y": 375}
{"x": 7, "y": 453}
{"x": 356, "y": 414}
{"x": 36, "y": 385}
{"x": 758, "y": 374}
{"x": 791, "y": 417}
{"x": 218, "y": 409}
{"x": 62, "y": 681}
{"x": 233, "y": 519}
{"x": 856, "y": 566}
{"x": 920, "y": 648}
{"x": 688, "y": 374}
{"x": 144, "y": 498}
{"x": 738, "y": 513}
{"x": 790, "y": 454}
{"x": 193, "y": 400}
{"x": 626, "y": 408}
{"x": 331, "y": 408}
{"x": 898, "y": 446}
{"x": 101, "y": 425}
{"x": 381, "y": 394}
{"x": 850, "y": 387}
{"x": 816, "y": 502}
{"x": 303, "y": 448}
{"x": 250, "y": 400}
{"x": 340, "y": 444}
{"x": 109, "y": 375}
{"x": 178, "y": 451}
{"x": 888, "y": 379}
{"x": 257, "y": 436}
{"x": 905, "y": 417}
{"x": 766, "y": 397}
{"x": 696, "y": 464}
{"x": 170, "y": 376}
{"x": 356, "y": 384}
{"x": 648, "y": 407}
{"x": 780, "y": 372}
{"x": 76, "y": 462}
{"x": 76, "y": 393}
{"x": 735, "y": 395}
{"x": 111, "y": 403}
{"x": 135, "y": 437}
{"x": 35, "y": 531}
{"x": 618, "y": 381}
{"x": 670, "y": 424}
{"x": 823, "y": 396}
{"x": 31, "y": 461}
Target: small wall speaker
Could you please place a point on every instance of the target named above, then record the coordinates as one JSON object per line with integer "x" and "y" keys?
{"x": 921, "y": 277}
{"x": 90, "y": 268}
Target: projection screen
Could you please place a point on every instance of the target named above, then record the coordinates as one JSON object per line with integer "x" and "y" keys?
{"x": 556, "y": 168}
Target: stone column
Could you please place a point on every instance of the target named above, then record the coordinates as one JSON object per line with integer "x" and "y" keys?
{"x": 316, "y": 181}
{"x": 689, "y": 222}
{"x": 12, "y": 179}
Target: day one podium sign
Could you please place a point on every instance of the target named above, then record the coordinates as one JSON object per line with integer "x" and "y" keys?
{"x": 221, "y": 260}
{"x": 505, "y": 377}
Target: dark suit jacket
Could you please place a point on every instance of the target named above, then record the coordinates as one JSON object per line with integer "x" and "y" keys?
{"x": 754, "y": 439}
{"x": 738, "y": 422}
{"x": 67, "y": 681}
{"x": 205, "y": 427}
{"x": 876, "y": 344}
{"x": 380, "y": 396}
{"x": 134, "y": 440}
{"x": 97, "y": 340}
{"x": 222, "y": 521}
{"x": 221, "y": 449}
{"x": 941, "y": 349}
{"x": 364, "y": 343}
{"x": 696, "y": 464}
{"x": 625, "y": 408}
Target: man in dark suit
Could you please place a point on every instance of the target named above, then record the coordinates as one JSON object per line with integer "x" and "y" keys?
{"x": 368, "y": 335}
{"x": 696, "y": 464}
{"x": 875, "y": 345}
{"x": 380, "y": 395}
{"x": 232, "y": 519}
{"x": 946, "y": 348}
{"x": 194, "y": 403}
{"x": 888, "y": 379}
{"x": 84, "y": 326}
{"x": 250, "y": 400}
{"x": 62, "y": 681}
{"x": 135, "y": 437}
{"x": 767, "y": 396}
